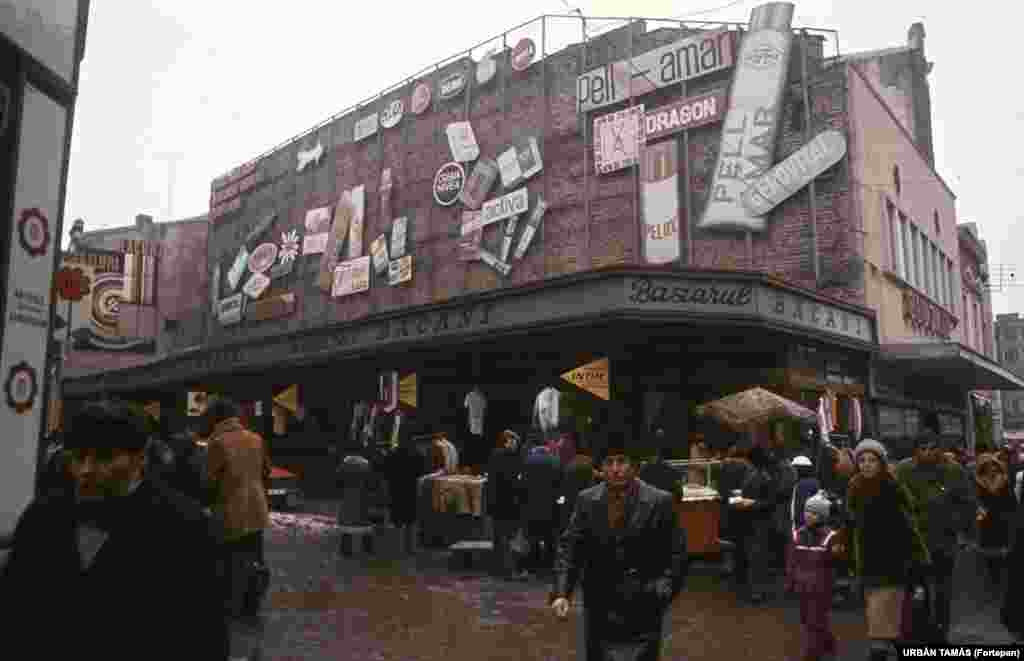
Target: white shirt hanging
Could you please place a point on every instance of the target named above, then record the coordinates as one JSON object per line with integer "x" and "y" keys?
{"x": 545, "y": 408}
{"x": 477, "y": 405}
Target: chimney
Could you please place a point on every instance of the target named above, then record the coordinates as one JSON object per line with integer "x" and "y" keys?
{"x": 915, "y": 37}
{"x": 143, "y": 221}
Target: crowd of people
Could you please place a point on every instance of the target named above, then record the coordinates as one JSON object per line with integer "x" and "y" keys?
{"x": 119, "y": 513}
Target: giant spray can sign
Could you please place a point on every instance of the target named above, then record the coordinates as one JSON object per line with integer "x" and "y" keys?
{"x": 751, "y": 123}
{"x": 659, "y": 180}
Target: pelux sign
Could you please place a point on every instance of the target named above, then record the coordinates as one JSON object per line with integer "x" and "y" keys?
{"x": 685, "y": 59}
{"x": 684, "y": 114}
{"x": 773, "y": 187}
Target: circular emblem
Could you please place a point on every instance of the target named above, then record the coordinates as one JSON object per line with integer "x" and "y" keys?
{"x": 34, "y": 232}
{"x": 763, "y": 57}
{"x": 452, "y": 86}
{"x": 448, "y": 183}
{"x": 420, "y": 98}
{"x": 522, "y": 54}
{"x": 392, "y": 114}
{"x": 263, "y": 257}
{"x": 21, "y": 387}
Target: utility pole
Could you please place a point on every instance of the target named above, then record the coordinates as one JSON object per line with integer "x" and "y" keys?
{"x": 172, "y": 159}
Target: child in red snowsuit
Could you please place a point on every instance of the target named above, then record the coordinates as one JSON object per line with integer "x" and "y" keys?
{"x": 809, "y": 573}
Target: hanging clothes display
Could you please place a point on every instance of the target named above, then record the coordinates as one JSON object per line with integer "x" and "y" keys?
{"x": 359, "y": 413}
{"x": 477, "y": 405}
{"x": 823, "y": 422}
{"x": 394, "y": 429}
{"x": 856, "y": 419}
{"x": 545, "y": 409}
{"x": 371, "y": 419}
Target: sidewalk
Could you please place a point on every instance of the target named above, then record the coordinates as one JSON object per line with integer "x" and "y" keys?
{"x": 325, "y": 606}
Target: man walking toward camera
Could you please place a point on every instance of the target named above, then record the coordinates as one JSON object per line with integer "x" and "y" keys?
{"x": 625, "y": 538}
{"x": 115, "y": 562}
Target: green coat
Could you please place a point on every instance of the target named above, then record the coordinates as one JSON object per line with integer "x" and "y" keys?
{"x": 943, "y": 500}
{"x": 886, "y": 543}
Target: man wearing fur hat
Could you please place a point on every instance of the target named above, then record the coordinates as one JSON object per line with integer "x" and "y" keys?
{"x": 625, "y": 538}
{"x": 945, "y": 509}
{"x": 116, "y": 561}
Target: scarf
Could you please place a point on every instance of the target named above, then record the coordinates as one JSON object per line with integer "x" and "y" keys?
{"x": 619, "y": 502}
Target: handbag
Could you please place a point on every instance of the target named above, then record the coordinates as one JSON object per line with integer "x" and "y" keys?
{"x": 918, "y": 614}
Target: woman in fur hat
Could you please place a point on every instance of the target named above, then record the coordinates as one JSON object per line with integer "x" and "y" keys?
{"x": 887, "y": 545}
{"x": 996, "y": 508}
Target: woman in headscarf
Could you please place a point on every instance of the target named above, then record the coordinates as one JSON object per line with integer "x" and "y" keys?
{"x": 887, "y": 545}
{"x": 996, "y": 508}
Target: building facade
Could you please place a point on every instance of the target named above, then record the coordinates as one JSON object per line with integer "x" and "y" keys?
{"x": 1010, "y": 341}
{"x": 510, "y": 215}
{"x": 40, "y": 54}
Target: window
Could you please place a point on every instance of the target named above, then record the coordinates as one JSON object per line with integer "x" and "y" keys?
{"x": 915, "y": 251}
{"x": 896, "y": 179}
{"x": 796, "y": 120}
{"x": 926, "y": 265}
{"x": 895, "y": 241}
{"x": 936, "y": 271}
{"x": 977, "y": 328}
{"x": 952, "y": 285}
{"x": 967, "y": 320}
{"x": 905, "y": 246}
{"x": 938, "y": 228}
{"x": 1010, "y": 356}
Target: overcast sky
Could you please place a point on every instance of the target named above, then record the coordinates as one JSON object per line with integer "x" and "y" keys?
{"x": 214, "y": 83}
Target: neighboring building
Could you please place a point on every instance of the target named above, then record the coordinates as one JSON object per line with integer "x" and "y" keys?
{"x": 41, "y": 48}
{"x": 925, "y": 276}
{"x": 150, "y": 304}
{"x": 665, "y": 271}
{"x": 1010, "y": 340}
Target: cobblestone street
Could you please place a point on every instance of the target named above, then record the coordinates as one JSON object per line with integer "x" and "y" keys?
{"x": 326, "y": 606}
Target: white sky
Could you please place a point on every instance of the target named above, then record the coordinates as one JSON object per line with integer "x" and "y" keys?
{"x": 219, "y": 82}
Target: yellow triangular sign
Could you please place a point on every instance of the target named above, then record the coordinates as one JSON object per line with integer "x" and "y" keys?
{"x": 592, "y": 377}
{"x": 152, "y": 409}
{"x": 407, "y": 390}
{"x": 289, "y": 399}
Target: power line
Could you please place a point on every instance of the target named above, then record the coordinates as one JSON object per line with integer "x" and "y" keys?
{"x": 712, "y": 9}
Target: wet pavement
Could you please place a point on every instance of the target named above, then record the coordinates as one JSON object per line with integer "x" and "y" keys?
{"x": 323, "y": 605}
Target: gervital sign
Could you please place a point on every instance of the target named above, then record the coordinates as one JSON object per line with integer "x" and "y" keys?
{"x": 674, "y": 63}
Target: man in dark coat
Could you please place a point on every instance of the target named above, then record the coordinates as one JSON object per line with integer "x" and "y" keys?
{"x": 404, "y": 467}
{"x": 625, "y": 538}
{"x": 542, "y": 477}
{"x": 129, "y": 560}
{"x": 503, "y": 493}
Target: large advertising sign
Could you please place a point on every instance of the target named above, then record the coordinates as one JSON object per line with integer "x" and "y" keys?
{"x": 33, "y": 233}
{"x": 751, "y": 123}
{"x": 674, "y": 63}
{"x": 684, "y": 114}
{"x": 659, "y": 181}
{"x": 772, "y": 188}
{"x": 618, "y": 138}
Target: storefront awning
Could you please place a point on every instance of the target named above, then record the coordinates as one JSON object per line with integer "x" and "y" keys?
{"x": 951, "y": 362}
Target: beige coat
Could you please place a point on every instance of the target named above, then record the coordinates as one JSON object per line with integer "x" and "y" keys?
{"x": 238, "y": 466}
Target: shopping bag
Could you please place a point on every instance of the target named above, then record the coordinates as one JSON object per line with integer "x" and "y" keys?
{"x": 918, "y": 615}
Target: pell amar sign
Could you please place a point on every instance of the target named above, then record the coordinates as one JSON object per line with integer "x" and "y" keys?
{"x": 668, "y": 65}
{"x": 751, "y": 124}
{"x": 592, "y": 377}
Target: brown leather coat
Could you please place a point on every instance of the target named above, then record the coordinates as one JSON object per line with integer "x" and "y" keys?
{"x": 238, "y": 466}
